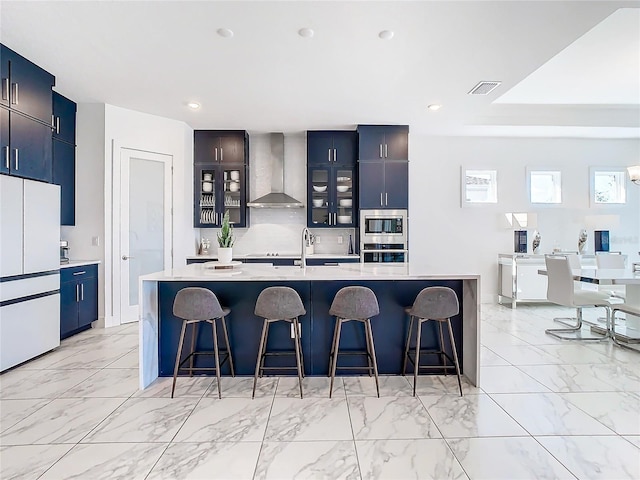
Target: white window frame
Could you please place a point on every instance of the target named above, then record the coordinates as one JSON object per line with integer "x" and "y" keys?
{"x": 492, "y": 186}
{"x": 621, "y": 174}
{"x": 557, "y": 194}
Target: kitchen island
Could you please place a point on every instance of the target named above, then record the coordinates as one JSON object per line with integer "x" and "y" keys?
{"x": 395, "y": 285}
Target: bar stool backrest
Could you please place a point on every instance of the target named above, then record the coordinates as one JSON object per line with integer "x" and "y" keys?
{"x": 279, "y": 303}
{"x": 355, "y": 303}
{"x": 435, "y": 303}
{"x": 196, "y": 303}
{"x": 559, "y": 280}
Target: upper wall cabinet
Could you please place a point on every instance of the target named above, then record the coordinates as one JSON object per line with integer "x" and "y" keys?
{"x": 64, "y": 119}
{"x": 331, "y": 147}
{"x": 26, "y": 87}
{"x": 64, "y": 156}
{"x": 26, "y": 147}
{"x": 383, "y": 142}
{"x": 220, "y": 146}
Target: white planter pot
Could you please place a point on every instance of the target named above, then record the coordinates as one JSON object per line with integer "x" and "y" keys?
{"x": 225, "y": 255}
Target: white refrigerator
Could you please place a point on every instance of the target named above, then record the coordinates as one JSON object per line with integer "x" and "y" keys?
{"x": 29, "y": 269}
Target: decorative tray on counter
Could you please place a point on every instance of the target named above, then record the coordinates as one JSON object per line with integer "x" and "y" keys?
{"x": 215, "y": 265}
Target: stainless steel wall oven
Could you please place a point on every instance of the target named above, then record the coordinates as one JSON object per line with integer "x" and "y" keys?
{"x": 383, "y": 236}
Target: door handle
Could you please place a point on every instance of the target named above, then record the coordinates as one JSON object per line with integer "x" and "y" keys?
{"x": 380, "y": 150}
{"x": 5, "y": 88}
{"x": 14, "y": 96}
{"x": 216, "y": 152}
{"x": 57, "y": 125}
{"x": 77, "y": 293}
{"x": 125, "y": 257}
{"x": 386, "y": 199}
{"x": 221, "y": 154}
{"x": 81, "y": 291}
{"x": 335, "y": 155}
{"x": 329, "y": 155}
{"x": 15, "y": 150}
{"x": 80, "y": 273}
{"x": 386, "y": 150}
{"x": 6, "y": 156}
{"x": 381, "y": 204}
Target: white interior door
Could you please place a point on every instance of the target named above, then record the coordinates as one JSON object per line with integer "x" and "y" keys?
{"x": 145, "y": 222}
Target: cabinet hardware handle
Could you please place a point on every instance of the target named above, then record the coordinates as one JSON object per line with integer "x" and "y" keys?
{"x": 77, "y": 293}
{"x": 80, "y": 273}
{"x": 380, "y": 150}
{"x": 53, "y": 121}
{"x": 216, "y": 152}
{"x": 221, "y": 154}
{"x": 81, "y": 291}
{"x": 14, "y": 96}
{"x": 335, "y": 155}
{"x": 386, "y": 199}
{"x": 57, "y": 125}
{"x": 335, "y": 219}
{"x": 381, "y": 204}
{"x": 5, "y": 88}
{"x": 386, "y": 150}
{"x": 15, "y": 150}
{"x": 329, "y": 155}
{"x": 6, "y": 156}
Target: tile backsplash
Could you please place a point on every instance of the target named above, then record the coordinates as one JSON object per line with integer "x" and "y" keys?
{"x": 279, "y": 230}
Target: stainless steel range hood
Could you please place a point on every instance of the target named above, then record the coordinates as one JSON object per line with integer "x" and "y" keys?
{"x": 277, "y": 198}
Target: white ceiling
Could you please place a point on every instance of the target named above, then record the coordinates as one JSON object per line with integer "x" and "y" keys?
{"x": 567, "y": 68}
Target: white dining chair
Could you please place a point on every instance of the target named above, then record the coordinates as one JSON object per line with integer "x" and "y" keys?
{"x": 575, "y": 262}
{"x": 612, "y": 261}
{"x": 561, "y": 291}
{"x": 627, "y": 310}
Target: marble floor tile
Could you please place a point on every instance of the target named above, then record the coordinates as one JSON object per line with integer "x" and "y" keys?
{"x": 524, "y": 355}
{"x": 120, "y": 383}
{"x": 617, "y": 355}
{"x": 620, "y": 411}
{"x": 470, "y": 416}
{"x": 27, "y": 462}
{"x": 439, "y": 384}
{"x": 12, "y": 411}
{"x": 44, "y": 362}
{"x": 308, "y": 460}
{"x": 44, "y": 383}
{"x": 404, "y": 459}
{"x": 106, "y": 461}
{"x": 63, "y": 420}
{"x": 549, "y": 414}
{"x": 390, "y": 386}
{"x": 226, "y": 420}
{"x": 573, "y": 354}
{"x": 508, "y": 380}
{"x": 634, "y": 439}
{"x": 596, "y": 457}
{"x": 90, "y": 359}
{"x": 507, "y": 458}
{"x": 311, "y": 387}
{"x": 295, "y": 419}
{"x": 101, "y": 342}
{"x": 242, "y": 387}
{"x": 142, "y": 420}
{"x": 500, "y": 339}
{"x": 390, "y": 417}
{"x": 620, "y": 377}
{"x": 211, "y": 461}
{"x": 567, "y": 378}
{"x": 490, "y": 358}
{"x": 186, "y": 387}
{"x": 128, "y": 360}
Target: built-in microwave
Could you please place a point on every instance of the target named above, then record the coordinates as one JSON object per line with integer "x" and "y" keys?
{"x": 383, "y": 236}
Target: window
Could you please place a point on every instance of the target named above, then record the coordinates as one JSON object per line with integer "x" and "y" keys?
{"x": 479, "y": 186}
{"x": 545, "y": 186}
{"x": 608, "y": 186}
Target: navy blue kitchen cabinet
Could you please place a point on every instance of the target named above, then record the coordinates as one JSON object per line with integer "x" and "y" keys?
{"x": 220, "y": 177}
{"x": 30, "y": 148}
{"x": 64, "y": 119}
{"x": 383, "y": 167}
{"x": 26, "y": 88}
{"x": 331, "y": 196}
{"x": 383, "y": 142}
{"x": 78, "y": 299}
{"x": 331, "y": 147}
{"x": 5, "y": 152}
{"x": 64, "y": 156}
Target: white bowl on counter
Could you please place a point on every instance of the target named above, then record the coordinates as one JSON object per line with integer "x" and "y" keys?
{"x": 342, "y": 188}
{"x": 344, "y": 218}
{"x": 345, "y": 202}
{"x": 318, "y": 202}
{"x": 320, "y": 188}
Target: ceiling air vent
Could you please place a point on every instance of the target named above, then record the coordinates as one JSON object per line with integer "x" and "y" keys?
{"x": 483, "y": 88}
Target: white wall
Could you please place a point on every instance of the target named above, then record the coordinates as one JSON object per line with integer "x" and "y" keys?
{"x": 444, "y": 237}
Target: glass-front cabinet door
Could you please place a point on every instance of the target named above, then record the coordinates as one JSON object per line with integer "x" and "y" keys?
{"x": 331, "y": 192}
{"x": 233, "y": 194}
{"x": 205, "y": 214}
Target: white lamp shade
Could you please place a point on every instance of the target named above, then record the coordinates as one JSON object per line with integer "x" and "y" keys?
{"x": 634, "y": 174}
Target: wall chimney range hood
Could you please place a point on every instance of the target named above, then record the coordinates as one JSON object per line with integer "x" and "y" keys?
{"x": 277, "y": 198}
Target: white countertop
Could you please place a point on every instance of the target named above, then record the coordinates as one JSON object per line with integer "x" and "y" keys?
{"x": 296, "y": 256}
{"x": 78, "y": 263}
{"x": 264, "y": 272}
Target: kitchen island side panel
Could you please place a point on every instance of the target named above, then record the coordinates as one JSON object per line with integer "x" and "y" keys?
{"x": 389, "y": 327}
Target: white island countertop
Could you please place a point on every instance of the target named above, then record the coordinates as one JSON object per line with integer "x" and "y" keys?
{"x": 343, "y": 271}
{"x": 79, "y": 263}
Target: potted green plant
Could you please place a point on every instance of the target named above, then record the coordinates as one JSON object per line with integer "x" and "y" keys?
{"x": 225, "y": 240}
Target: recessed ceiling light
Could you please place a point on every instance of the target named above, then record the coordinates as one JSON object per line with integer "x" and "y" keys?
{"x": 434, "y": 107}
{"x": 225, "y": 32}
{"x": 386, "y": 34}
{"x": 193, "y": 105}
{"x": 306, "y": 32}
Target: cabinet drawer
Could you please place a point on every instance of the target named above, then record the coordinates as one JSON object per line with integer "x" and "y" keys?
{"x": 78, "y": 273}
